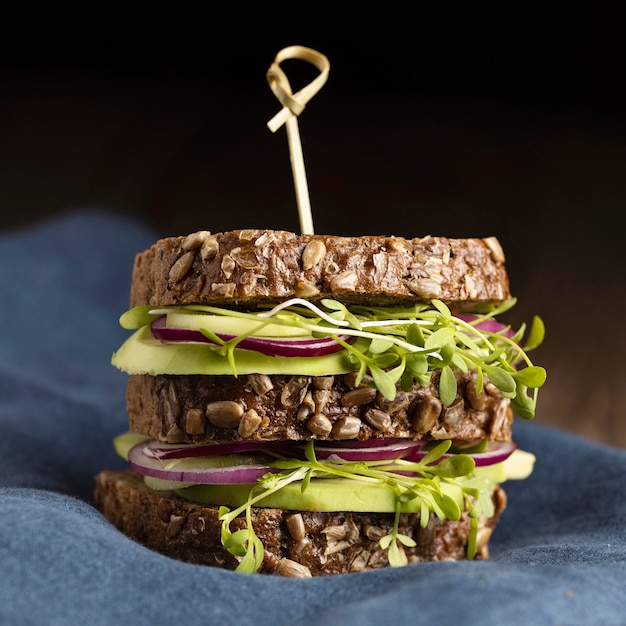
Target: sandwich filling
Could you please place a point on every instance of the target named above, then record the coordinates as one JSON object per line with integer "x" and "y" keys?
{"x": 389, "y": 349}
{"x": 393, "y": 345}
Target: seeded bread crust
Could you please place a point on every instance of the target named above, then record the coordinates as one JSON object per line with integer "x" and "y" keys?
{"x": 200, "y": 409}
{"x": 296, "y": 544}
{"x": 247, "y": 268}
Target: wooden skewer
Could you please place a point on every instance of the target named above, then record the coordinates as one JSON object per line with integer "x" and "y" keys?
{"x": 293, "y": 105}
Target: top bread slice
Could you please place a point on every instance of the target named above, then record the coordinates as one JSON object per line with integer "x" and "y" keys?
{"x": 247, "y": 268}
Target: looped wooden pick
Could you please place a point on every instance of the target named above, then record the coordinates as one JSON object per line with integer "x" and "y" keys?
{"x": 293, "y": 105}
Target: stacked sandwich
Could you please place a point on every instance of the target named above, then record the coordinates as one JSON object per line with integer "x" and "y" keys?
{"x": 308, "y": 405}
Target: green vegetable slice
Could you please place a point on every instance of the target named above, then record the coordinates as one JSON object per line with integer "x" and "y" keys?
{"x": 142, "y": 354}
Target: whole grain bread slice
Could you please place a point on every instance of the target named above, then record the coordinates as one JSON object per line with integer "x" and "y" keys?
{"x": 197, "y": 409}
{"x": 297, "y": 544}
{"x": 247, "y": 268}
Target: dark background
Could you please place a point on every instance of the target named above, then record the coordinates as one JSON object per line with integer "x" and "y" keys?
{"x": 460, "y": 120}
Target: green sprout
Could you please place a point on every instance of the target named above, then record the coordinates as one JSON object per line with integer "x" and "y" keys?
{"x": 401, "y": 345}
{"x": 408, "y": 480}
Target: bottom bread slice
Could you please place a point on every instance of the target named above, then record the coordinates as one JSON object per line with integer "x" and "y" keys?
{"x": 298, "y": 544}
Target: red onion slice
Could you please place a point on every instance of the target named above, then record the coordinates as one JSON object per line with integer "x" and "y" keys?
{"x": 227, "y": 463}
{"x": 270, "y": 346}
{"x": 370, "y": 450}
{"x": 239, "y": 473}
{"x": 488, "y": 325}
{"x": 496, "y": 452}
{"x": 164, "y": 451}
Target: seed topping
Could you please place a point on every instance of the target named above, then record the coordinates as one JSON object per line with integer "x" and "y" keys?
{"x": 313, "y": 253}
{"x": 224, "y": 413}
{"x": 181, "y": 267}
{"x": 291, "y": 569}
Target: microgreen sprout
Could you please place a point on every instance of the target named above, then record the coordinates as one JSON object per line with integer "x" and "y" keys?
{"x": 420, "y": 481}
{"x": 400, "y": 346}
{"x": 287, "y": 304}
{"x": 245, "y": 543}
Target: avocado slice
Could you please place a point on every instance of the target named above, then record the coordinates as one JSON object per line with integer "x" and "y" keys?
{"x": 322, "y": 494}
{"x": 141, "y": 353}
{"x": 332, "y": 494}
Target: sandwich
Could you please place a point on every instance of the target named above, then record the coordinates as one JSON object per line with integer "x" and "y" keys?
{"x": 308, "y": 405}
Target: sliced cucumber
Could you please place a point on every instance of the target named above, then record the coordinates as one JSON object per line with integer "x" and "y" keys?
{"x": 193, "y": 463}
{"x": 495, "y": 473}
{"x": 124, "y": 442}
{"x": 230, "y": 325}
{"x": 233, "y": 323}
{"x": 519, "y": 465}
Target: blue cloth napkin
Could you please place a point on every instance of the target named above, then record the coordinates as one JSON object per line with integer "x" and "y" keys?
{"x": 557, "y": 557}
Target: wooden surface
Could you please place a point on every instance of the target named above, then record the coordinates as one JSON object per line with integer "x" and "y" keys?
{"x": 186, "y": 152}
